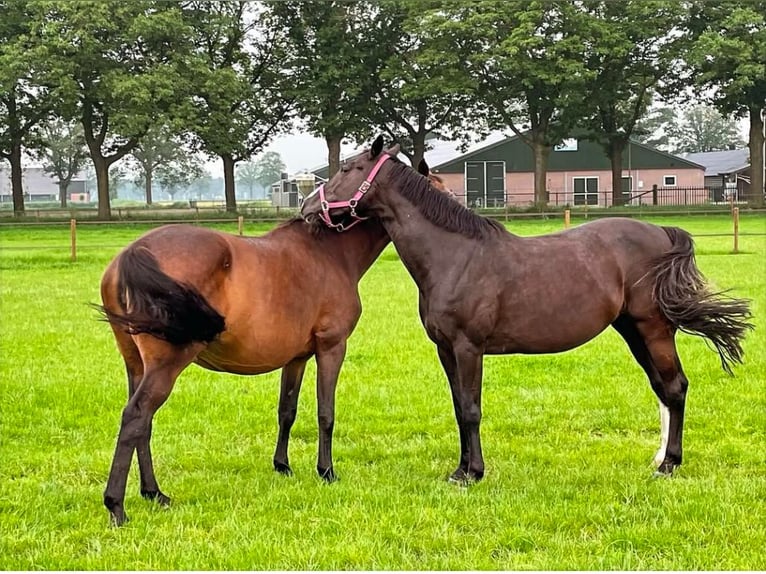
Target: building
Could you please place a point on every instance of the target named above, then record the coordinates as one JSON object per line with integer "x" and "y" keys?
{"x": 579, "y": 173}
{"x": 727, "y": 172}
{"x": 39, "y": 186}
{"x": 289, "y": 191}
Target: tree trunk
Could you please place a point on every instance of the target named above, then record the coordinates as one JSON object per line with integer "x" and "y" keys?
{"x": 541, "y": 153}
{"x": 229, "y": 187}
{"x": 102, "y": 184}
{"x": 148, "y": 184}
{"x": 63, "y": 187}
{"x": 418, "y": 148}
{"x": 17, "y": 188}
{"x": 333, "y": 154}
{"x": 756, "y": 158}
{"x": 615, "y": 156}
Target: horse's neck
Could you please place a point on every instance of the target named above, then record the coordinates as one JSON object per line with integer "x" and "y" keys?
{"x": 360, "y": 246}
{"x": 431, "y": 254}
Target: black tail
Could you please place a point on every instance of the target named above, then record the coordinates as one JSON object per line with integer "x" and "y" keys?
{"x": 683, "y": 297}
{"x": 154, "y": 303}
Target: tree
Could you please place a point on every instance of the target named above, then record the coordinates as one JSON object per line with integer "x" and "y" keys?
{"x": 728, "y": 57}
{"x": 656, "y": 128}
{"x": 630, "y": 49}
{"x": 265, "y": 170}
{"x": 703, "y": 128}
{"x": 528, "y": 61}
{"x": 422, "y": 84}
{"x": 23, "y": 103}
{"x": 332, "y": 67}
{"x": 63, "y": 153}
{"x": 179, "y": 174}
{"x": 238, "y": 97}
{"x": 115, "y": 66}
{"x": 160, "y": 148}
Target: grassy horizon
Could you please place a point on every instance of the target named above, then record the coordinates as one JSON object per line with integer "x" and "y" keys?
{"x": 568, "y": 440}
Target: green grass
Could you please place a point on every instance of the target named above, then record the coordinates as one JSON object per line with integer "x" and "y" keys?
{"x": 568, "y": 441}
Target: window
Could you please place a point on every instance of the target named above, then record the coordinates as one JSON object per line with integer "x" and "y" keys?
{"x": 585, "y": 190}
{"x": 669, "y": 180}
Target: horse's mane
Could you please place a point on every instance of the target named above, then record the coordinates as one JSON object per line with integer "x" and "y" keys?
{"x": 438, "y": 208}
{"x": 318, "y": 230}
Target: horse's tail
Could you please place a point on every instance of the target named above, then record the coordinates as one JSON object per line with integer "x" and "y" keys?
{"x": 683, "y": 297}
{"x": 152, "y": 302}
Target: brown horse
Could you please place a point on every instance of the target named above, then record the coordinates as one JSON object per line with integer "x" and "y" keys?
{"x": 484, "y": 290}
{"x": 182, "y": 294}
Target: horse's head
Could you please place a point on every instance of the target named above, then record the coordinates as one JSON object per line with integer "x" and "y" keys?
{"x": 340, "y": 203}
{"x": 348, "y": 197}
{"x": 436, "y": 181}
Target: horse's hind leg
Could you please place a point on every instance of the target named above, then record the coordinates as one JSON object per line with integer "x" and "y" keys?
{"x": 652, "y": 344}
{"x": 163, "y": 363}
{"x": 134, "y": 365}
{"x": 292, "y": 376}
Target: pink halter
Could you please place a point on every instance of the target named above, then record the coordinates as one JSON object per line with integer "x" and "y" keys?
{"x": 351, "y": 203}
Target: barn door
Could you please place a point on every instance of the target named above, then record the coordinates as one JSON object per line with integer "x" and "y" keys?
{"x": 495, "y": 173}
{"x": 475, "y": 184}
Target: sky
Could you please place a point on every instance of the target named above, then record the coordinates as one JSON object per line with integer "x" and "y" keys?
{"x": 299, "y": 151}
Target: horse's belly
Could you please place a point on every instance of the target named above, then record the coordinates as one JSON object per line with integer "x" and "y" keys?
{"x": 550, "y": 329}
{"x": 249, "y": 359}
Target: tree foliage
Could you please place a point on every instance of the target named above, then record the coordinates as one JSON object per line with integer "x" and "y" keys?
{"x": 631, "y": 49}
{"x": 114, "y": 66}
{"x": 161, "y": 150}
{"x": 422, "y": 85}
{"x": 263, "y": 171}
{"x": 728, "y": 57}
{"x": 24, "y": 103}
{"x": 238, "y": 99}
{"x": 527, "y": 59}
{"x": 333, "y": 66}
{"x": 61, "y": 149}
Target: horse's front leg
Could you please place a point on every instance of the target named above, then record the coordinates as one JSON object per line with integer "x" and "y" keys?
{"x": 292, "y": 376}
{"x": 449, "y": 364}
{"x": 466, "y": 393}
{"x": 329, "y": 361}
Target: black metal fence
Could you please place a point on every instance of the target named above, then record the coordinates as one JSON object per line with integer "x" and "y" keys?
{"x": 660, "y": 196}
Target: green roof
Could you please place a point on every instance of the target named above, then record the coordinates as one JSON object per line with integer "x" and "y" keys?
{"x": 589, "y": 155}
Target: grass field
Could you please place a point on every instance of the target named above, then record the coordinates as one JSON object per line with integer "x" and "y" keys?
{"x": 568, "y": 440}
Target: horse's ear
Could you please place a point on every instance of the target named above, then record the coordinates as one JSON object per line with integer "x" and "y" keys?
{"x": 377, "y": 147}
{"x": 423, "y": 168}
{"x": 393, "y": 151}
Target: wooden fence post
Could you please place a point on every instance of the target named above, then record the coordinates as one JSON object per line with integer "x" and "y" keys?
{"x": 735, "y": 215}
{"x": 240, "y": 223}
{"x": 73, "y": 235}
{"x": 566, "y": 219}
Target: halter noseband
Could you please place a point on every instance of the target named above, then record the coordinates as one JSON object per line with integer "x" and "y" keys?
{"x": 326, "y": 206}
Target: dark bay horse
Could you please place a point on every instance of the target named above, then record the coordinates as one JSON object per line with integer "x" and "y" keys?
{"x": 484, "y": 290}
{"x": 246, "y": 305}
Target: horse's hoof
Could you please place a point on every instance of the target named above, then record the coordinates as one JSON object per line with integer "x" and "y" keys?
{"x": 665, "y": 470}
{"x": 283, "y": 468}
{"x": 118, "y": 517}
{"x": 156, "y": 496}
{"x": 463, "y": 478}
{"x": 327, "y": 474}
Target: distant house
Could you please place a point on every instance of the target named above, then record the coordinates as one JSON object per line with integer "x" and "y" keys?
{"x": 579, "y": 173}
{"x": 39, "y": 186}
{"x": 290, "y": 190}
{"x": 727, "y": 171}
